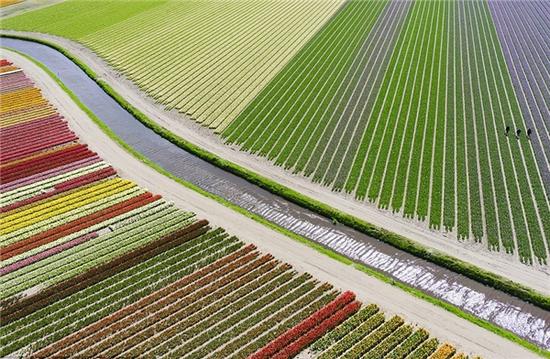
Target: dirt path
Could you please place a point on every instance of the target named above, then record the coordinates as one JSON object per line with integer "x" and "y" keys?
{"x": 24, "y": 6}
{"x": 442, "y": 324}
{"x": 536, "y": 276}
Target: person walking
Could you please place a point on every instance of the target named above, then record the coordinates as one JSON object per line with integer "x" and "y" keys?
{"x": 518, "y": 132}
{"x": 507, "y": 130}
{"x": 529, "y": 133}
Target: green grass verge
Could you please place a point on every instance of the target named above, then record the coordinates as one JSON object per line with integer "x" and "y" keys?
{"x": 400, "y": 242}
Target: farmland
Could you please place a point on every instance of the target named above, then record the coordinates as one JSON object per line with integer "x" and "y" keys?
{"x": 401, "y": 104}
{"x": 93, "y": 265}
{"x": 192, "y": 32}
{"x": 404, "y": 129}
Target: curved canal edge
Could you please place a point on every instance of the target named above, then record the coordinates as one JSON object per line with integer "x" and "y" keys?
{"x": 331, "y": 253}
{"x": 437, "y": 257}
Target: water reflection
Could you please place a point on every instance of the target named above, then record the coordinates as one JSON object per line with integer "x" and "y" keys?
{"x": 525, "y": 320}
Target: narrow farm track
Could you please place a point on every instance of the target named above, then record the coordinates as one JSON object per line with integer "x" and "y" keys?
{"x": 392, "y": 154}
{"x": 355, "y": 96}
{"x": 175, "y": 286}
{"x": 503, "y": 265}
{"x": 282, "y": 247}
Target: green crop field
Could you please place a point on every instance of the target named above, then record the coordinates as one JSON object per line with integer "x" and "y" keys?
{"x": 403, "y": 104}
{"x": 422, "y": 133}
{"x": 189, "y": 55}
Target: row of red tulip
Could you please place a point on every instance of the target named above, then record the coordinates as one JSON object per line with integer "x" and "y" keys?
{"x": 45, "y": 162}
{"x": 59, "y": 188}
{"x": 198, "y": 278}
{"x": 326, "y": 325}
{"x": 68, "y": 228}
{"x": 315, "y": 319}
{"x": 29, "y": 304}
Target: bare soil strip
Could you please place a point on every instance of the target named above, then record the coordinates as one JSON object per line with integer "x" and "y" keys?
{"x": 392, "y": 300}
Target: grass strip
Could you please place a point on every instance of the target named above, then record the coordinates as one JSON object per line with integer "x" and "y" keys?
{"x": 469, "y": 270}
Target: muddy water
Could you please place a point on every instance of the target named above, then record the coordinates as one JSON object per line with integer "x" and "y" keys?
{"x": 508, "y": 312}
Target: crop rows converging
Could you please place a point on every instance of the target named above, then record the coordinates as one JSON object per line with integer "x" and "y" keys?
{"x": 94, "y": 266}
{"x": 406, "y": 104}
{"x": 523, "y": 30}
{"x": 436, "y": 110}
{"x": 190, "y": 55}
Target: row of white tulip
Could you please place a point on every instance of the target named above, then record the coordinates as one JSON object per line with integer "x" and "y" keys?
{"x": 94, "y": 252}
{"x": 76, "y": 213}
{"x": 136, "y": 213}
{"x": 33, "y": 189}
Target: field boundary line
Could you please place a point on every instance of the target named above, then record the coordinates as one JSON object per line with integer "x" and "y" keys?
{"x": 290, "y": 121}
{"x": 437, "y": 257}
{"x": 220, "y": 120}
{"x": 243, "y": 136}
{"x": 368, "y": 83}
{"x": 326, "y": 113}
{"x": 525, "y": 171}
{"x": 334, "y": 69}
{"x": 233, "y": 135}
{"x": 470, "y": 44}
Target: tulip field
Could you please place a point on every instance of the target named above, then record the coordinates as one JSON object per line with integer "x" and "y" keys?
{"x": 411, "y": 116}
{"x": 92, "y": 265}
{"x": 207, "y": 43}
{"x": 400, "y": 103}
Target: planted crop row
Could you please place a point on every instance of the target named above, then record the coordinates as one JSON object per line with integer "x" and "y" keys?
{"x": 230, "y": 303}
{"x": 521, "y": 32}
{"x": 32, "y": 189}
{"x": 242, "y": 320}
{"x": 65, "y": 288}
{"x": 306, "y": 339}
{"x": 62, "y": 204}
{"x": 317, "y": 318}
{"x": 188, "y": 306}
{"x": 117, "y": 326}
{"x": 346, "y": 327}
{"x": 67, "y": 185}
{"x": 92, "y": 303}
{"x": 46, "y": 253}
{"x": 268, "y": 330}
{"x": 410, "y": 344}
{"x": 46, "y": 175}
{"x": 77, "y": 259}
{"x": 48, "y": 223}
{"x": 106, "y": 224}
{"x": 368, "y": 335}
{"x": 77, "y": 225}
